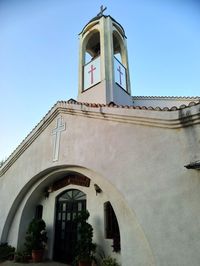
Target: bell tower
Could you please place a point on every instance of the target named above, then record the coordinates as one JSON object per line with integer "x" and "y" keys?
{"x": 103, "y": 62}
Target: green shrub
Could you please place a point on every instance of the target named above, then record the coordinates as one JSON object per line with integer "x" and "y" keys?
{"x": 84, "y": 247}
{"x": 36, "y": 235}
{"x": 109, "y": 262}
{"x": 6, "y": 251}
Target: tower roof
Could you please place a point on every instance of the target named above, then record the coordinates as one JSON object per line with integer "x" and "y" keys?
{"x": 98, "y": 17}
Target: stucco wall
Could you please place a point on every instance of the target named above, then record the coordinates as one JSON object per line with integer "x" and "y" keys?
{"x": 140, "y": 167}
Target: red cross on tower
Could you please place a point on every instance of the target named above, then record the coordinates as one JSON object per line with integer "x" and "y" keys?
{"x": 92, "y": 68}
{"x": 120, "y": 75}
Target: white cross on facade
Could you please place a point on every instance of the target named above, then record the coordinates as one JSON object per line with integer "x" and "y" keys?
{"x": 56, "y": 132}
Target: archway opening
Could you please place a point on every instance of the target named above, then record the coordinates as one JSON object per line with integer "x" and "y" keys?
{"x": 117, "y": 47}
{"x": 92, "y": 49}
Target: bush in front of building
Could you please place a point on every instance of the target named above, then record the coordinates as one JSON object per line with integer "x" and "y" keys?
{"x": 36, "y": 235}
{"x": 84, "y": 248}
{"x": 36, "y": 239}
{"x": 6, "y": 251}
{"x": 109, "y": 261}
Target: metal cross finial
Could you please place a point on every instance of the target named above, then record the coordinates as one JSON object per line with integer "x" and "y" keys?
{"x": 102, "y": 9}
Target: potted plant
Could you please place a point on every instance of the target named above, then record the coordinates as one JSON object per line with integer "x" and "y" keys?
{"x": 84, "y": 247}
{"x": 21, "y": 256}
{"x": 109, "y": 261}
{"x": 36, "y": 239}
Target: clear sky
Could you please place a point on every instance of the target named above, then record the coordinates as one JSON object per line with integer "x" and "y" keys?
{"x": 39, "y": 54}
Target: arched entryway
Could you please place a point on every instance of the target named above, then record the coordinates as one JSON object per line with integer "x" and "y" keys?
{"x": 68, "y": 204}
{"x": 55, "y": 183}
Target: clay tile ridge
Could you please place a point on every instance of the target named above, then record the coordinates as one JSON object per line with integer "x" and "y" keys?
{"x": 114, "y": 105}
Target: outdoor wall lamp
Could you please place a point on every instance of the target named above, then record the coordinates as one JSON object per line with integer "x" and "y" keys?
{"x": 47, "y": 191}
{"x": 97, "y": 189}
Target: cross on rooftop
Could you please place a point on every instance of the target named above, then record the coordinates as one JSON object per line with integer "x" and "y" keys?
{"x": 102, "y": 9}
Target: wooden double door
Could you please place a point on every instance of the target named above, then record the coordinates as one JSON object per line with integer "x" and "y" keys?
{"x": 68, "y": 205}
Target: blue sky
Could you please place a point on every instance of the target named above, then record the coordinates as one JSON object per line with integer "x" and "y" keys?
{"x": 39, "y": 54}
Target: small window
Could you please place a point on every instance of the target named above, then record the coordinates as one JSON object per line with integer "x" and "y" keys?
{"x": 38, "y": 212}
{"x": 111, "y": 226}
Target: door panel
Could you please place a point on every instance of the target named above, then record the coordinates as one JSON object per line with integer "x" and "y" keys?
{"x": 68, "y": 206}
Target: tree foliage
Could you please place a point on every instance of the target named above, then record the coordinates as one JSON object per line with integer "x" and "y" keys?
{"x": 2, "y": 162}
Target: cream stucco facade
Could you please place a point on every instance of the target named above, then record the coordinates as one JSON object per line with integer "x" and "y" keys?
{"x": 135, "y": 154}
{"x": 136, "y": 157}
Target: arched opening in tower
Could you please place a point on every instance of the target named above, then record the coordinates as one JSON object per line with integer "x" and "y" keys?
{"x": 92, "y": 47}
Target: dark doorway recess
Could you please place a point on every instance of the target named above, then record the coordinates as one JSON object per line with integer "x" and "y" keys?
{"x": 111, "y": 226}
{"x": 68, "y": 205}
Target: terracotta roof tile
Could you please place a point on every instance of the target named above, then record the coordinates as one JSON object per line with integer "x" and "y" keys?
{"x": 166, "y": 109}
{"x": 173, "y": 108}
{"x": 114, "y": 105}
{"x": 182, "y": 106}
{"x": 192, "y": 103}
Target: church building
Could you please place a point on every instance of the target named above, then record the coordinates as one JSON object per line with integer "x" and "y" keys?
{"x": 132, "y": 162}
